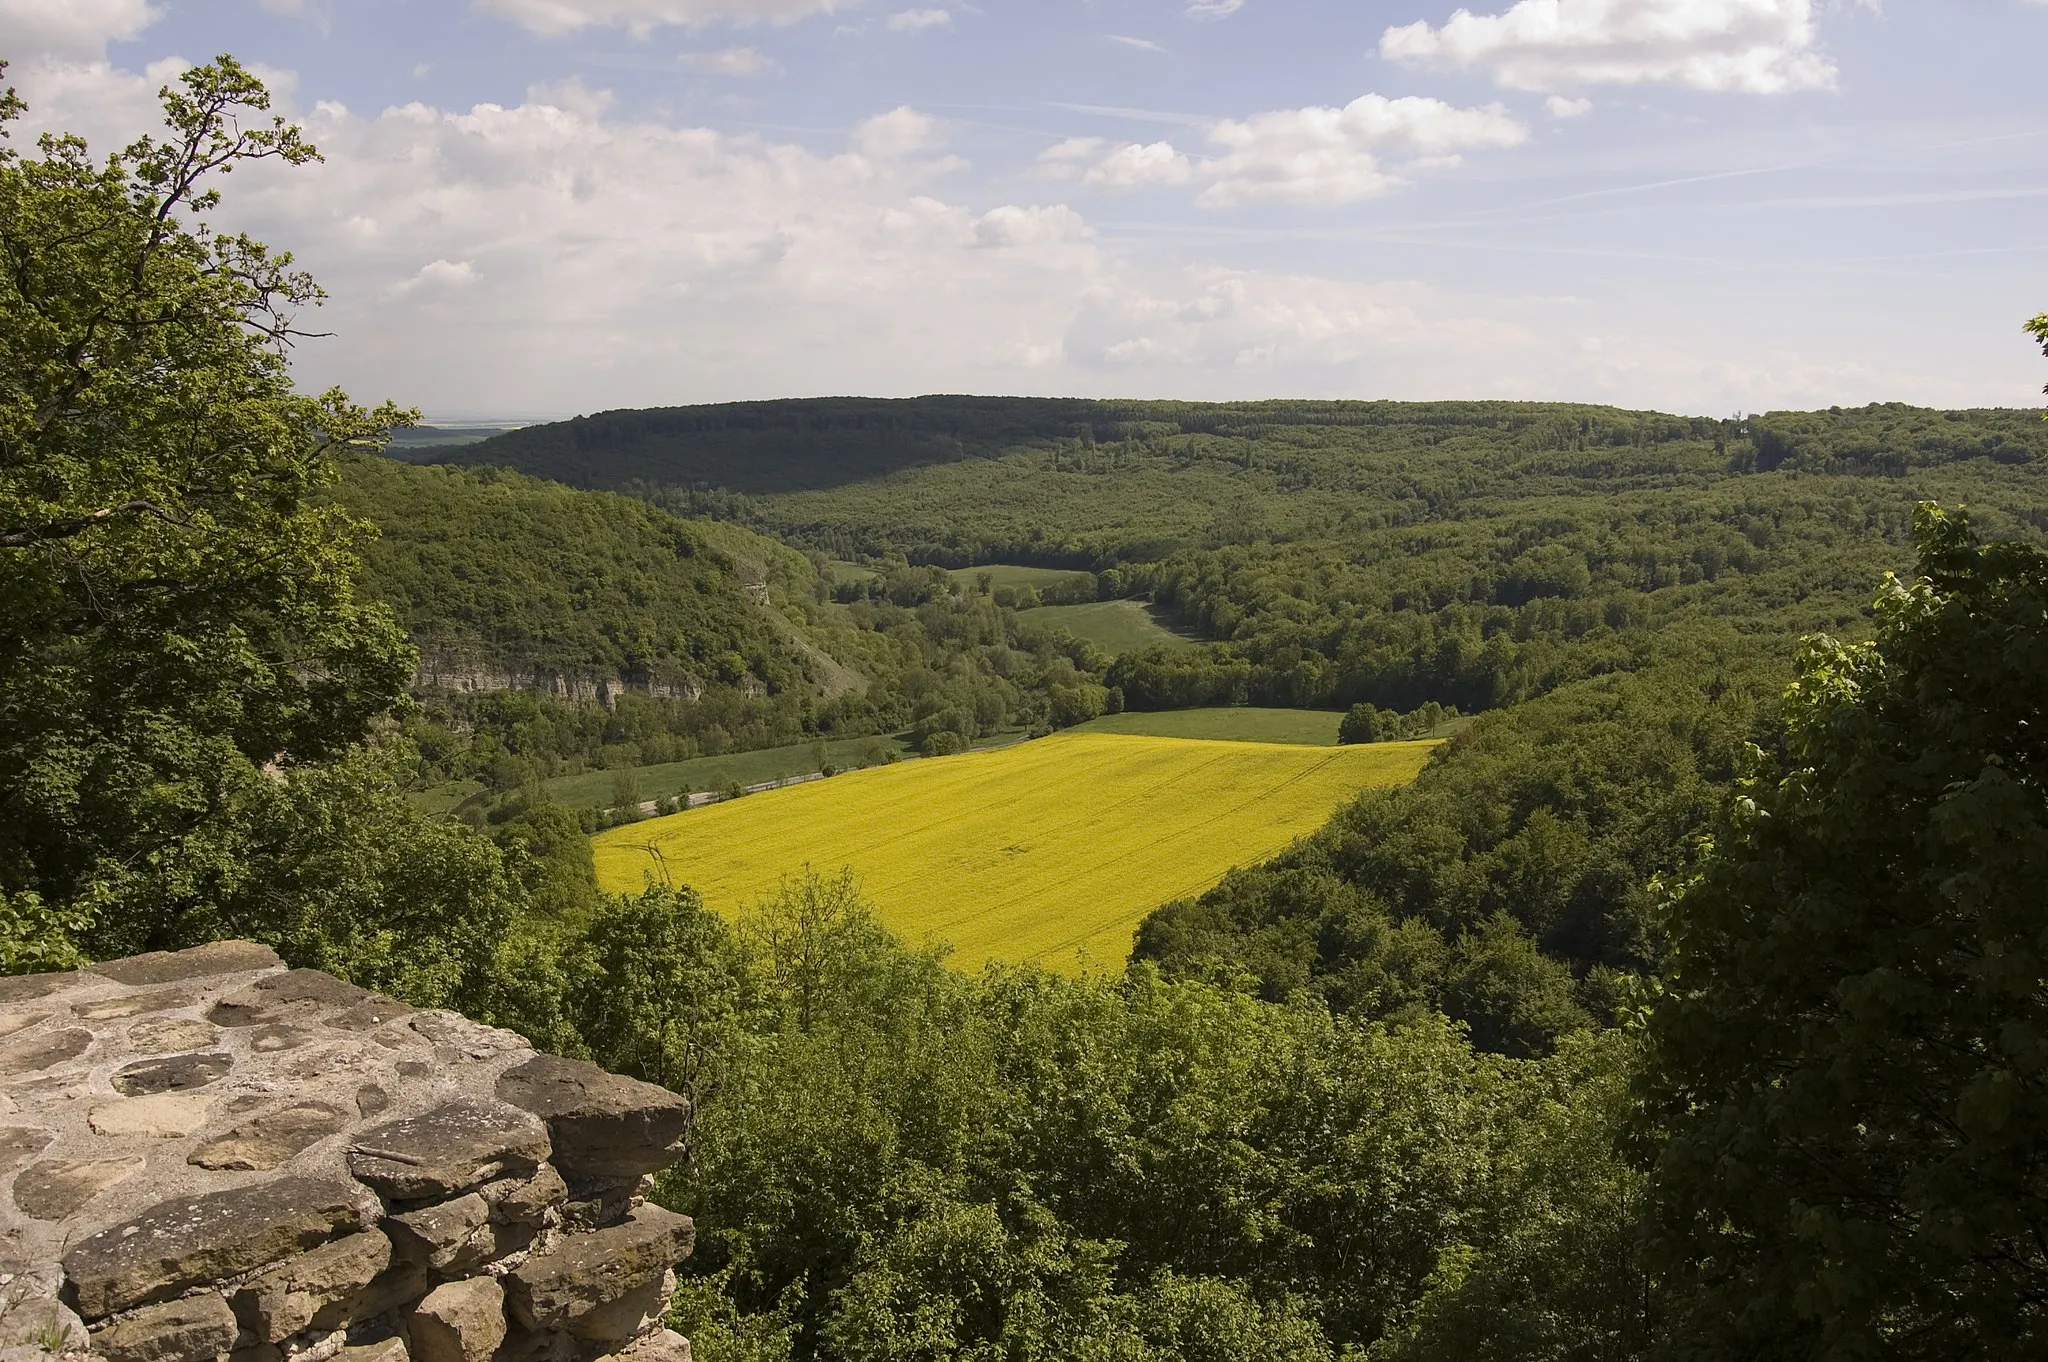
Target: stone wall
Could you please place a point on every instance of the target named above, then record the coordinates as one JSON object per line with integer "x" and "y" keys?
{"x": 204, "y": 1155}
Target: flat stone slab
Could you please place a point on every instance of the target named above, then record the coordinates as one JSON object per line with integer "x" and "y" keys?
{"x": 22, "y": 988}
{"x": 57, "y": 1188}
{"x": 272, "y": 1139}
{"x": 36, "y": 1053}
{"x": 191, "y": 1241}
{"x": 455, "y": 1147}
{"x": 164, "y": 1116}
{"x": 305, "y": 996}
{"x": 170, "y": 967}
{"x": 19, "y": 1144}
{"x": 175, "y": 1074}
{"x": 602, "y": 1125}
{"x": 167, "y": 1035}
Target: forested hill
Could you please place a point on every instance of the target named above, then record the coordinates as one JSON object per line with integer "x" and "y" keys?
{"x": 519, "y": 575}
{"x": 782, "y": 446}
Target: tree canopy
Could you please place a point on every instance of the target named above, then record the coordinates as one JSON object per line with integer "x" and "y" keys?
{"x": 1847, "y": 1086}
{"x": 186, "y": 671}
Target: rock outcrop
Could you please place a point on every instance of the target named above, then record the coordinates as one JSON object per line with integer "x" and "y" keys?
{"x": 204, "y": 1154}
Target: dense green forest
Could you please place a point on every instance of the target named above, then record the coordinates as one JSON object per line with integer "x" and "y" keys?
{"x": 1691, "y": 1004}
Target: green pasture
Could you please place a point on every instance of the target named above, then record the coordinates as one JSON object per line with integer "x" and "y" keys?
{"x": 1113, "y": 626}
{"x": 1013, "y": 574}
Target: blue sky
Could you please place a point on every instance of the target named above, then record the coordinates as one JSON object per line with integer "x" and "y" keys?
{"x": 539, "y": 207}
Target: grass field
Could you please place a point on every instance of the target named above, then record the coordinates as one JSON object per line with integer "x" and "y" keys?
{"x": 593, "y": 789}
{"x": 1113, "y": 626}
{"x": 1241, "y": 723}
{"x": 1049, "y": 851}
{"x": 1014, "y": 574}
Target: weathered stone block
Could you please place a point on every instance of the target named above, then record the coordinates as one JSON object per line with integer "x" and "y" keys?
{"x": 663, "y": 1345}
{"x": 191, "y": 1241}
{"x": 388, "y": 1350}
{"x": 526, "y": 1201}
{"x": 162, "y": 1035}
{"x": 19, "y": 1144}
{"x": 603, "y": 1125}
{"x": 21, "y": 988}
{"x": 166, "y": 1116}
{"x": 628, "y": 1317}
{"x": 194, "y": 1329}
{"x": 10, "y": 1022}
{"x": 177, "y": 1073}
{"x": 46, "y": 1051}
{"x": 300, "y": 995}
{"x": 132, "y": 1004}
{"x": 458, "y": 1322}
{"x": 586, "y": 1271}
{"x": 307, "y": 1290}
{"x": 455, "y": 1147}
{"x": 271, "y": 1139}
{"x": 435, "y": 1235}
{"x": 169, "y": 967}
{"x": 56, "y": 1188}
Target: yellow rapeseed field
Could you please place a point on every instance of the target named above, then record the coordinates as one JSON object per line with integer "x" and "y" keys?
{"x": 1049, "y": 851}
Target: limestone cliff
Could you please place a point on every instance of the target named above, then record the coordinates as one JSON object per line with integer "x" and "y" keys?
{"x": 206, "y": 1155}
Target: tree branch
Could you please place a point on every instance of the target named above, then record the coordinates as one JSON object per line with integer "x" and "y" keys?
{"x": 31, "y": 535}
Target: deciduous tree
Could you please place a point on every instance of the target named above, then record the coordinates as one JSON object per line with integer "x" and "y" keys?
{"x": 1847, "y": 1082}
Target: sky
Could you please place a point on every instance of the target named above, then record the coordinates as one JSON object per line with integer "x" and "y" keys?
{"x": 535, "y": 208}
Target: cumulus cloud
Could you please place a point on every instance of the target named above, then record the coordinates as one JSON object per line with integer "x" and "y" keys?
{"x": 551, "y": 18}
{"x": 731, "y": 61}
{"x": 438, "y": 276}
{"x": 1744, "y": 46}
{"x": 70, "y": 30}
{"x": 902, "y": 131}
{"x": 557, "y": 256}
{"x": 1132, "y": 166}
{"x": 914, "y": 20}
{"x": 1313, "y": 155}
{"x": 1560, "y": 107}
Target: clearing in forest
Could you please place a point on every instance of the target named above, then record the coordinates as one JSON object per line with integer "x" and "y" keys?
{"x": 1050, "y": 851}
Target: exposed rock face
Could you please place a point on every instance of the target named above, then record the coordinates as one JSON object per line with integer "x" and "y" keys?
{"x": 203, "y": 1154}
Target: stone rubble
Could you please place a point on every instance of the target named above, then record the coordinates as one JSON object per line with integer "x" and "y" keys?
{"x": 205, "y": 1155}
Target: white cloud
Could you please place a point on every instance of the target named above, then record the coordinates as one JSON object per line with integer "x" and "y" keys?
{"x": 1132, "y": 166}
{"x": 1745, "y": 46}
{"x": 731, "y": 61}
{"x": 1560, "y": 107}
{"x": 901, "y": 132}
{"x": 550, "y": 18}
{"x": 1313, "y": 155}
{"x": 1213, "y": 9}
{"x": 915, "y": 20}
{"x": 571, "y": 95}
{"x": 69, "y": 30}
{"x": 439, "y": 276}
{"x": 558, "y": 256}
{"x": 1142, "y": 44}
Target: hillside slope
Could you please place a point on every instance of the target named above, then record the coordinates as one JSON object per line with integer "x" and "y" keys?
{"x": 510, "y": 575}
